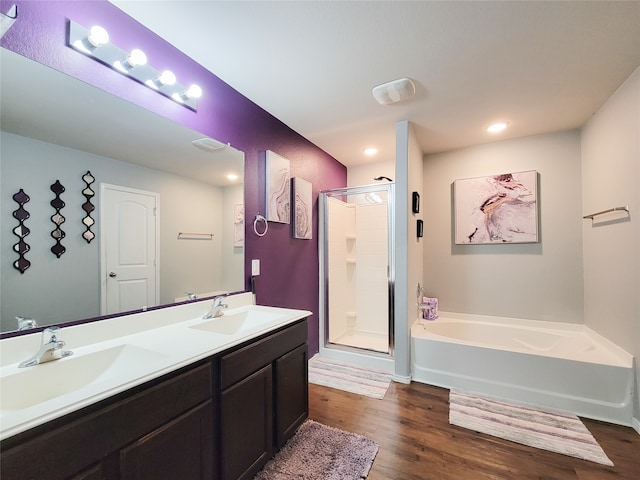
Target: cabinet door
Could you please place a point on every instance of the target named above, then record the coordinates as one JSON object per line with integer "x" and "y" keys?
{"x": 181, "y": 449}
{"x": 291, "y": 394}
{"x": 94, "y": 473}
{"x": 247, "y": 425}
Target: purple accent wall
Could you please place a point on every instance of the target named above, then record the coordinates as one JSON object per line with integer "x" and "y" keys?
{"x": 289, "y": 267}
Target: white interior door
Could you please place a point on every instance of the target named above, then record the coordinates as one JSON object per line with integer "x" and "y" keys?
{"x": 129, "y": 248}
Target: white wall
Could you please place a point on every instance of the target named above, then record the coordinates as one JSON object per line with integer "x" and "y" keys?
{"x": 611, "y": 178}
{"x": 185, "y": 205}
{"x": 408, "y": 248}
{"x": 541, "y": 281}
{"x": 365, "y": 174}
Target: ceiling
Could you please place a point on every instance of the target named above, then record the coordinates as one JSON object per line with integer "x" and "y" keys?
{"x": 543, "y": 66}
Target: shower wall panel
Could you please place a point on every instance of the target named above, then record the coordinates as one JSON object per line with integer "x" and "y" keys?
{"x": 371, "y": 285}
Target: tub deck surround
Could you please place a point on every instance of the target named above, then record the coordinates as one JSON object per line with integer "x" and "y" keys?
{"x": 131, "y": 350}
{"x": 562, "y": 366}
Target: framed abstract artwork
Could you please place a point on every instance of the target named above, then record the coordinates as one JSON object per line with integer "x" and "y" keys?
{"x": 302, "y": 208}
{"x": 496, "y": 209}
{"x": 278, "y": 194}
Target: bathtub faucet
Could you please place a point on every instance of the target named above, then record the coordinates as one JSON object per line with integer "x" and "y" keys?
{"x": 420, "y": 293}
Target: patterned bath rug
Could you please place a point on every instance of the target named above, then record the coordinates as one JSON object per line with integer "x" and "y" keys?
{"x": 553, "y": 431}
{"x": 319, "y": 452}
{"x": 351, "y": 378}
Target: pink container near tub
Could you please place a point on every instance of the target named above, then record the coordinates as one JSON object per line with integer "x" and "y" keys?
{"x": 562, "y": 366}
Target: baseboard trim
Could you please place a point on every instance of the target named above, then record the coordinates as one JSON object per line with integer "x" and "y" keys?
{"x": 406, "y": 379}
{"x": 635, "y": 424}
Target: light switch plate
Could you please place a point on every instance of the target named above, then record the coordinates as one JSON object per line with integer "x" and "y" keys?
{"x": 255, "y": 267}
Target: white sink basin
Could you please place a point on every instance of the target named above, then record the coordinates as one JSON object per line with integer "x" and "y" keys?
{"x": 231, "y": 324}
{"x": 39, "y": 383}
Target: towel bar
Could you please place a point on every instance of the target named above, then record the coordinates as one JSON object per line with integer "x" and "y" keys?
{"x": 195, "y": 236}
{"x": 614, "y": 209}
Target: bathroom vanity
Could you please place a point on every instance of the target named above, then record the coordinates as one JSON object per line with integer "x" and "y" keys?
{"x": 221, "y": 414}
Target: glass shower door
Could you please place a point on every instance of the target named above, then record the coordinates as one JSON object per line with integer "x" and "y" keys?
{"x": 357, "y": 277}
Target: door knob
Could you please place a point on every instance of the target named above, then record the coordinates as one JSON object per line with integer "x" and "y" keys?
{"x": 113, "y": 274}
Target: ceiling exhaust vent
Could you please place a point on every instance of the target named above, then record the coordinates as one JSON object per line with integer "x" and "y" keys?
{"x": 395, "y": 91}
{"x": 208, "y": 144}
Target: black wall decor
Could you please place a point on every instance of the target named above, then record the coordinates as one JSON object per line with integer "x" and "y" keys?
{"x": 21, "y": 231}
{"x": 415, "y": 202}
{"x": 88, "y": 207}
{"x": 58, "y": 249}
{"x": 419, "y": 228}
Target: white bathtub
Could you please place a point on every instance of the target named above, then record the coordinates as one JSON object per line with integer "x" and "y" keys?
{"x": 554, "y": 365}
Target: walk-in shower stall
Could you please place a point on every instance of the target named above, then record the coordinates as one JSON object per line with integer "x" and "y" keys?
{"x": 357, "y": 274}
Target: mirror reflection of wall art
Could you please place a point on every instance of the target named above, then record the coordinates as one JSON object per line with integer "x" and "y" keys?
{"x": 497, "y": 209}
{"x": 58, "y": 219}
{"x": 21, "y": 231}
{"x": 278, "y": 188}
{"x": 302, "y": 208}
{"x": 88, "y": 207}
{"x": 238, "y": 225}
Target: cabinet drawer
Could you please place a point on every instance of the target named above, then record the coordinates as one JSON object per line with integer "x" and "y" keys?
{"x": 97, "y": 434}
{"x": 243, "y": 362}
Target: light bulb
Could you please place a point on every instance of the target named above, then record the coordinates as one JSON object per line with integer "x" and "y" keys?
{"x": 98, "y": 36}
{"x": 137, "y": 57}
{"x": 194, "y": 91}
{"x": 167, "y": 78}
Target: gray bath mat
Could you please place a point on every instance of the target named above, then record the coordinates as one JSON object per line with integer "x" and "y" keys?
{"x": 319, "y": 452}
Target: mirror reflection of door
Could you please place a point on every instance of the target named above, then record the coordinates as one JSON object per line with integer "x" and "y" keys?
{"x": 128, "y": 249}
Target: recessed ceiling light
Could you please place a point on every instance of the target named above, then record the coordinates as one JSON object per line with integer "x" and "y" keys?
{"x": 370, "y": 151}
{"x": 497, "y": 127}
{"x": 232, "y": 176}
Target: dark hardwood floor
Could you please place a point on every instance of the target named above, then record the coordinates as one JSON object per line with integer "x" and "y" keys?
{"x": 411, "y": 425}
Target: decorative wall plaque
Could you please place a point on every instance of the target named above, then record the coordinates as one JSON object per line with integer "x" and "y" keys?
{"x": 58, "y": 249}
{"x": 88, "y": 207}
{"x": 21, "y": 231}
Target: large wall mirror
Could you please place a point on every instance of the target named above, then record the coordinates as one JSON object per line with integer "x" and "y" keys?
{"x": 56, "y": 128}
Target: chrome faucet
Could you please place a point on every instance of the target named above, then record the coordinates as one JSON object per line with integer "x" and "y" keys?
{"x": 217, "y": 308}
{"x": 50, "y": 349}
{"x": 26, "y": 323}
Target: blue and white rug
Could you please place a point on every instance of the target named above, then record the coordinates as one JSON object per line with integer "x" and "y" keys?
{"x": 553, "y": 431}
{"x": 350, "y": 378}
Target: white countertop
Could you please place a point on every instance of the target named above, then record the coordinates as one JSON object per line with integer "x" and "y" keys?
{"x": 163, "y": 340}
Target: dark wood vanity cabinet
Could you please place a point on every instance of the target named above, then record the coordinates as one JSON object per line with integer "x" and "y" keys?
{"x": 263, "y": 400}
{"x": 167, "y": 421}
{"x": 221, "y": 419}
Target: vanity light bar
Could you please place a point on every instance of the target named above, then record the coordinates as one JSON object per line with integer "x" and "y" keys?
{"x": 95, "y": 43}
